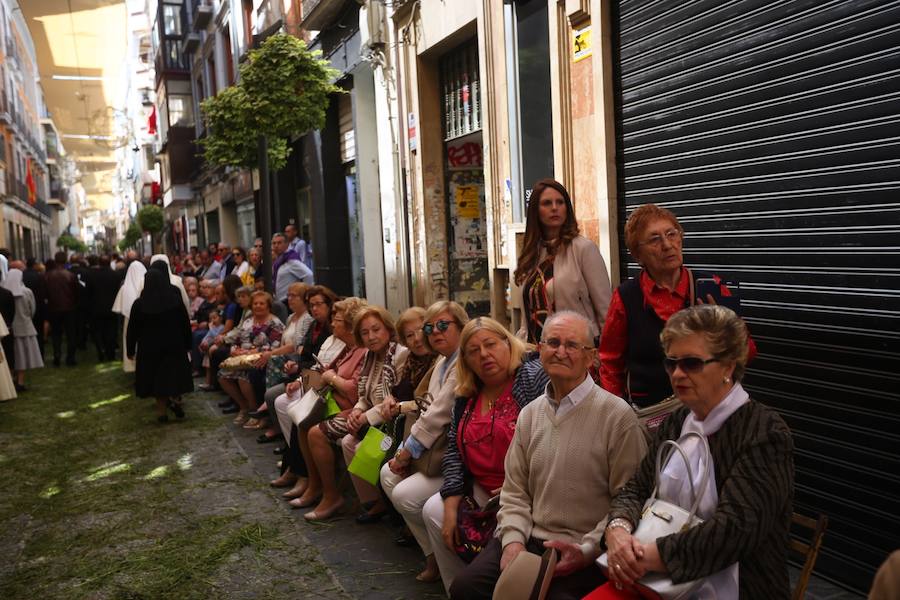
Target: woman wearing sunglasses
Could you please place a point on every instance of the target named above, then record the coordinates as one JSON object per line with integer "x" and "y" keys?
{"x": 630, "y": 354}
{"x": 740, "y": 548}
{"x": 408, "y": 485}
{"x": 241, "y": 266}
{"x": 496, "y": 378}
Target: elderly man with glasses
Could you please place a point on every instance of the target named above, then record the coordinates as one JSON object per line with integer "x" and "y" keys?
{"x": 218, "y": 264}
{"x": 574, "y": 448}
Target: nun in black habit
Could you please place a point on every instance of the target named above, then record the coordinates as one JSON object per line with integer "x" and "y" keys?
{"x": 159, "y": 333}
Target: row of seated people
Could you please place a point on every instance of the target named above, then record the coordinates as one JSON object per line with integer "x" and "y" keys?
{"x": 475, "y": 416}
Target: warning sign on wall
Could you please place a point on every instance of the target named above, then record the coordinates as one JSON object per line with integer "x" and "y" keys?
{"x": 581, "y": 43}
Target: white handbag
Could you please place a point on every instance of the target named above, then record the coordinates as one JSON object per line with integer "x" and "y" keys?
{"x": 307, "y": 409}
{"x": 661, "y": 518}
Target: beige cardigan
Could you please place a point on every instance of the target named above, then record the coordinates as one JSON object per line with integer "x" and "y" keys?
{"x": 580, "y": 282}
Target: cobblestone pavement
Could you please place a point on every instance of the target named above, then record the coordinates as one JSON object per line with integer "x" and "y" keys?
{"x": 100, "y": 501}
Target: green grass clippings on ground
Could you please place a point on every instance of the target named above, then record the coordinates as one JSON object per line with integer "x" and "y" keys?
{"x": 100, "y": 501}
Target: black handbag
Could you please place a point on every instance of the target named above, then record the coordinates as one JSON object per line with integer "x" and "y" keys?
{"x": 476, "y": 526}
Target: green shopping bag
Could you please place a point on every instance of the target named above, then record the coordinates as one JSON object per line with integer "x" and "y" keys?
{"x": 370, "y": 453}
{"x": 331, "y": 407}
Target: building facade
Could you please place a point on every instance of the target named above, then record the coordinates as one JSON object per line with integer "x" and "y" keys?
{"x": 763, "y": 127}
{"x": 25, "y": 222}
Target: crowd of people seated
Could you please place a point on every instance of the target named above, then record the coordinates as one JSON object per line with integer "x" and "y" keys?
{"x": 489, "y": 445}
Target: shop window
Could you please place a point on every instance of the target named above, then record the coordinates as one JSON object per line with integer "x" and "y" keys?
{"x": 527, "y": 28}
{"x": 535, "y": 124}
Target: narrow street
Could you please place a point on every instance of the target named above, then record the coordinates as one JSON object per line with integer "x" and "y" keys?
{"x": 100, "y": 501}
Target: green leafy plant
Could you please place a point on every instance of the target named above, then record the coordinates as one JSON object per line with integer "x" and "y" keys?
{"x": 283, "y": 92}
{"x": 132, "y": 236}
{"x": 70, "y": 242}
{"x": 150, "y": 219}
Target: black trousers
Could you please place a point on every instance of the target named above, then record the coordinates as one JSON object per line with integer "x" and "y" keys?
{"x": 9, "y": 349}
{"x": 480, "y": 577}
{"x": 38, "y": 322}
{"x": 104, "y": 329}
{"x": 63, "y": 323}
{"x": 216, "y": 359}
{"x": 82, "y": 325}
{"x": 292, "y": 459}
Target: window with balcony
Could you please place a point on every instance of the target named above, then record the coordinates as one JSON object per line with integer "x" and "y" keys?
{"x": 181, "y": 110}
{"x": 172, "y": 20}
{"x": 229, "y": 58}
{"x": 211, "y": 74}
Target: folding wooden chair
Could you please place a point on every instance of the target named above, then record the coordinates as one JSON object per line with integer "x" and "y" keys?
{"x": 815, "y": 528}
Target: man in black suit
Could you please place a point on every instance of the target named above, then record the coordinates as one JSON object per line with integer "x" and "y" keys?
{"x": 104, "y": 285}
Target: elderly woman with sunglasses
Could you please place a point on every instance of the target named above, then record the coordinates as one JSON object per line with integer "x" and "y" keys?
{"x": 405, "y": 484}
{"x": 740, "y": 548}
{"x": 630, "y": 354}
{"x": 496, "y": 378}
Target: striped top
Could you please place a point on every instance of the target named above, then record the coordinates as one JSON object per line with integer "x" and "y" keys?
{"x": 754, "y": 464}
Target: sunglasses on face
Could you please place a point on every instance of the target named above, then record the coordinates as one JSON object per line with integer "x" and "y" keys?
{"x": 688, "y": 364}
{"x": 441, "y": 326}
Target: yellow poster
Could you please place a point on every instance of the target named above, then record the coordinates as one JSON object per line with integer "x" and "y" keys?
{"x": 468, "y": 204}
{"x": 581, "y": 43}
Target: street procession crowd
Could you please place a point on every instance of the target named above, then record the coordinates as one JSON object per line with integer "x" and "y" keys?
{"x": 520, "y": 462}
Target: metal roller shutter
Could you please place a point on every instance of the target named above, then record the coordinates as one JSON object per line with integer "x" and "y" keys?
{"x": 772, "y": 129}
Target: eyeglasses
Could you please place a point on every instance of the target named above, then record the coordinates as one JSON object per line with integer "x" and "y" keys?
{"x": 317, "y": 304}
{"x": 236, "y": 254}
{"x": 673, "y": 236}
{"x": 688, "y": 364}
{"x": 441, "y": 326}
{"x": 571, "y": 346}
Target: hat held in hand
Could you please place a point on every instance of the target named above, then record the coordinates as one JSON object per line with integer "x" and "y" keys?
{"x": 527, "y": 577}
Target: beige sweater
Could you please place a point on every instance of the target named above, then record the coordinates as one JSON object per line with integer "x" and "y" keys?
{"x": 561, "y": 474}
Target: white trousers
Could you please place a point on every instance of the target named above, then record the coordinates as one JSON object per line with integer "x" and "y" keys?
{"x": 408, "y": 495}
{"x": 284, "y": 420}
{"x": 448, "y": 561}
